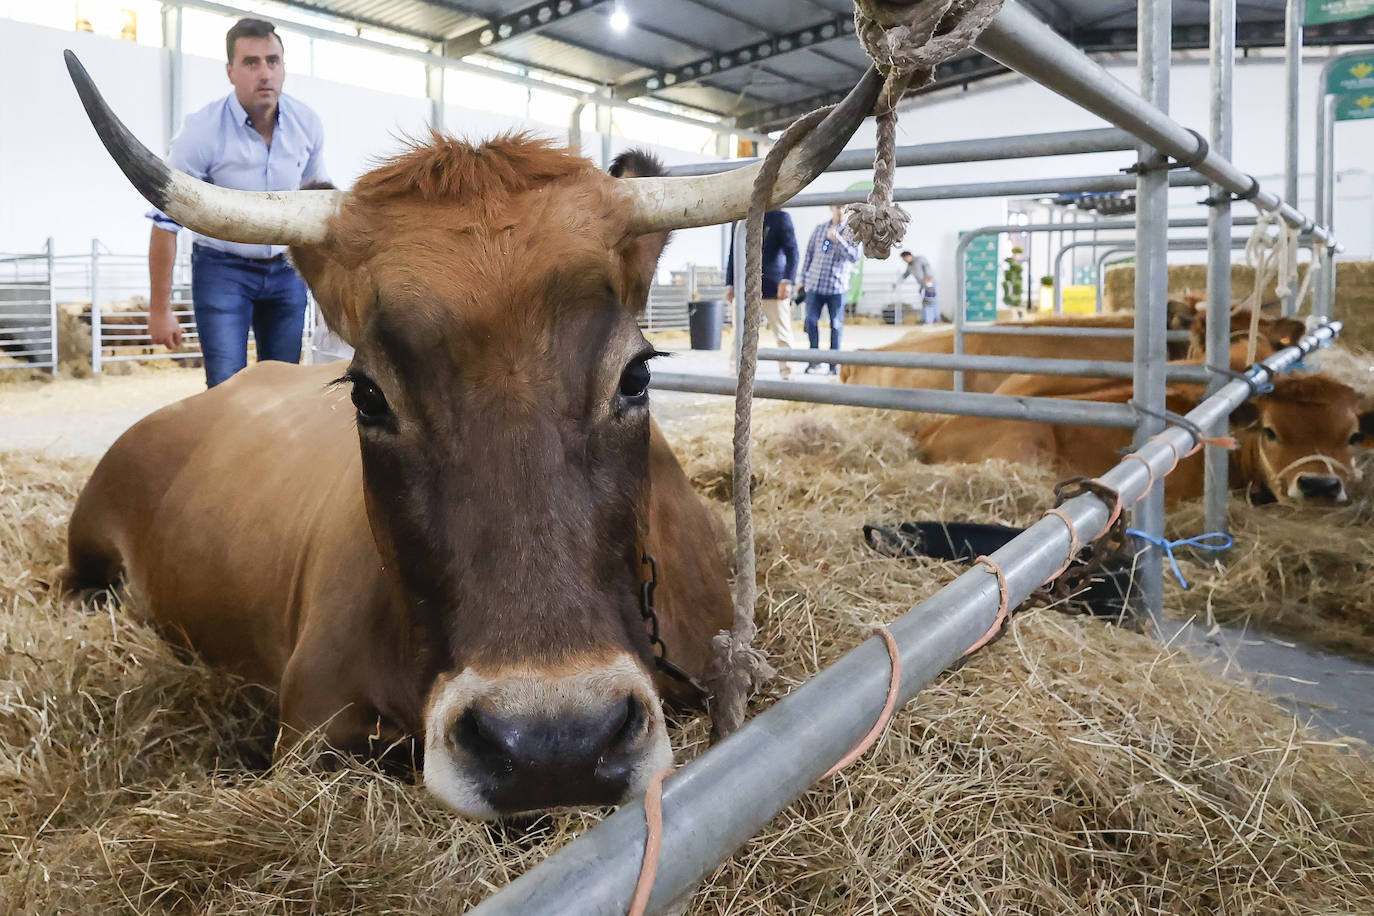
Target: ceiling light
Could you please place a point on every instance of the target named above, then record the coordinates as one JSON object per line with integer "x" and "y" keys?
{"x": 620, "y": 20}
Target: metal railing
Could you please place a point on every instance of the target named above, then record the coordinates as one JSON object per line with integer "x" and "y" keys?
{"x": 28, "y": 311}
{"x": 712, "y": 805}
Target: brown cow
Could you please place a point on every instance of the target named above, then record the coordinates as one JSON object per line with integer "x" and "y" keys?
{"x": 1294, "y": 443}
{"x": 1035, "y": 346}
{"x": 464, "y": 566}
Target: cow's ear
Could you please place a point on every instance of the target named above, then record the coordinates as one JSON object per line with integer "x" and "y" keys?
{"x": 639, "y": 255}
{"x": 1286, "y": 331}
{"x": 1245, "y": 416}
{"x": 345, "y": 292}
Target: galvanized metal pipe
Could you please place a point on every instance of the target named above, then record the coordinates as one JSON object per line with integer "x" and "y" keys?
{"x": 1292, "y": 98}
{"x": 715, "y": 803}
{"x": 1326, "y": 187}
{"x": 1174, "y": 245}
{"x": 961, "y": 251}
{"x": 923, "y": 400}
{"x": 1216, "y": 461}
{"x": 1091, "y": 184}
{"x": 1155, "y": 31}
{"x": 97, "y": 347}
{"x": 1021, "y": 41}
{"x": 1058, "y": 267}
{"x": 52, "y": 303}
{"x": 987, "y": 149}
{"x": 1052, "y": 331}
{"x": 1074, "y": 368}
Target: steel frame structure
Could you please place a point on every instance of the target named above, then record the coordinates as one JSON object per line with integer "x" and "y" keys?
{"x": 715, "y": 803}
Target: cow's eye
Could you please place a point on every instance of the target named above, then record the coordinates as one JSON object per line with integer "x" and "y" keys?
{"x": 368, "y": 398}
{"x": 1357, "y": 439}
{"x": 634, "y": 382}
{"x": 1270, "y": 434}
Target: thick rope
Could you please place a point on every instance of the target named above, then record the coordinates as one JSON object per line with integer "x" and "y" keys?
{"x": 906, "y": 44}
{"x": 906, "y": 51}
{"x": 1271, "y": 256}
{"x": 739, "y": 670}
{"x": 653, "y": 842}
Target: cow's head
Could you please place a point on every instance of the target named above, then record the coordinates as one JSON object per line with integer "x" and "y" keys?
{"x": 1297, "y": 442}
{"x": 500, "y": 381}
{"x": 1276, "y": 330}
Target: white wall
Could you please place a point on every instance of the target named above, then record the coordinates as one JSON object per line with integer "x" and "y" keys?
{"x": 56, "y": 179}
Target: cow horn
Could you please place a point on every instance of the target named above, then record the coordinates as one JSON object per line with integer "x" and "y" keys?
{"x": 705, "y": 200}
{"x": 253, "y": 217}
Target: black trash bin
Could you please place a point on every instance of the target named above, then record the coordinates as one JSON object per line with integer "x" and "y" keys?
{"x": 705, "y": 319}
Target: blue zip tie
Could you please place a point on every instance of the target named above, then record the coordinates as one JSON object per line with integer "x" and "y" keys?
{"x": 1201, "y": 541}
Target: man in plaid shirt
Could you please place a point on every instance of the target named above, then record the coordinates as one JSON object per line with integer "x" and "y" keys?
{"x": 830, "y": 255}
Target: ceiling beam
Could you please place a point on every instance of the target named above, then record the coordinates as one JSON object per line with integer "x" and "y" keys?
{"x": 1248, "y": 35}
{"x": 736, "y": 58}
{"x": 519, "y": 22}
{"x": 959, "y": 71}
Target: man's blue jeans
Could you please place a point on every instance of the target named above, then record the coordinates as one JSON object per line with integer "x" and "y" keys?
{"x": 832, "y": 303}
{"x": 231, "y": 294}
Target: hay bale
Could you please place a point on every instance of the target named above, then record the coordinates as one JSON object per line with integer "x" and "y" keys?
{"x": 1072, "y": 767}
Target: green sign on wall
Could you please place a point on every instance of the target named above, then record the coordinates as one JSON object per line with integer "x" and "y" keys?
{"x": 1355, "y": 106}
{"x": 980, "y": 279}
{"x": 1322, "y": 11}
{"x": 1354, "y": 75}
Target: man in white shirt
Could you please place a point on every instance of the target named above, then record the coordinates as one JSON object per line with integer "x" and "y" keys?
{"x": 254, "y": 139}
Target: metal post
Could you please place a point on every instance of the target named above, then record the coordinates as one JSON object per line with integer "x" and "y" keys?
{"x": 434, "y": 88}
{"x": 1326, "y": 201}
{"x": 96, "y": 346}
{"x": 575, "y": 127}
{"x": 52, "y": 303}
{"x": 603, "y": 127}
{"x": 1291, "y": 134}
{"x": 1216, "y": 487}
{"x": 1154, "y": 23}
{"x": 171, "y": 40}
{"x": 1100, "y": 272}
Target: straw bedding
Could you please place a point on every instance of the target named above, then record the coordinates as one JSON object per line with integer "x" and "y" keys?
{"x": 1071, "y": 767}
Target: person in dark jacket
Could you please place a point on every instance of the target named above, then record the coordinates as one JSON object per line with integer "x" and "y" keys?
{"x": 779, "y": 272}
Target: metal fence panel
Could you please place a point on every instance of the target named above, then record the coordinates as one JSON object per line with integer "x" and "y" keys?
{"x": 28, "y": 319}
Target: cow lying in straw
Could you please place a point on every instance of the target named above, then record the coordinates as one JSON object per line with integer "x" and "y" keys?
{"x": 462, "y": 555}
{"x": 1184, "y": 314}
{"x": 1295, "y": 443}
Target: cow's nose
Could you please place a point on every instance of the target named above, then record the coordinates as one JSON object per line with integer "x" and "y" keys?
{"x": 1313, "y": 487}
{"x": 540, "y": 762}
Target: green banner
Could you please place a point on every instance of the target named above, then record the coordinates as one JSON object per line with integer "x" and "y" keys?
{"x": 1323, "y": 11}
{"x": 980, "y": 279}
{"x": 1353, "y": 75}
{"x": 1355, "y": 107}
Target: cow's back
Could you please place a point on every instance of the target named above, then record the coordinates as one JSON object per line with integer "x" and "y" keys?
{"x": 1028, "y": 345}
{"x": 214, "y": 508}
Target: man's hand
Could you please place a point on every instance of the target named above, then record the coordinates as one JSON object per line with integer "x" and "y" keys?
{"x": 729, "y": 294}
{"x": 833, "y": 235}
{"x": 163, "y": 326}
{"x": 784, "y": 289}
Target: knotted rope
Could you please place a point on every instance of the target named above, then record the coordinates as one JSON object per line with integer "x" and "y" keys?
{"x": 905, "y": 51}
{"x": 906, "y": 44}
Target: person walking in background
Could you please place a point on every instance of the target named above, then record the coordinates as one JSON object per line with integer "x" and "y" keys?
{"x": 830, "y": 255}
{"x": 918, "y": 268}
{"x": 253, "y": 139}
{"x": 779, "y": 271}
